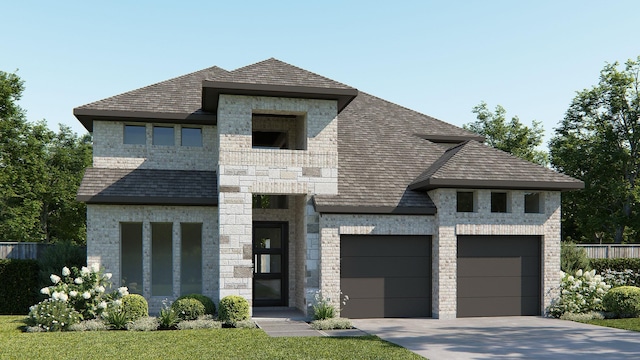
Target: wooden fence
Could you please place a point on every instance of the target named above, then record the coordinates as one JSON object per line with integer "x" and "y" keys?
{"x": 611, "y": 251}
{"x": 21, "y": 250}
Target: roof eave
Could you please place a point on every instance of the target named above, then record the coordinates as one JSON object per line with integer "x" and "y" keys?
{"x": 211, "y": 91}
{"x": 430, "y": 184}
{"x": 88, "y": 116}
{"x": 146, "y": 200}
{"x": 394, "y": 210}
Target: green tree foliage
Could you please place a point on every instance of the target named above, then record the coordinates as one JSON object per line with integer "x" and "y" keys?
{"x": 512, "y": 137}
{"x": 598, "y": 142}
{"x": 40, "y": 171}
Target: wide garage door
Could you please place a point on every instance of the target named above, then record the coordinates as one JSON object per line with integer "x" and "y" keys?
{"x": 385, "y": 276}
{"x": 498, "y": 275}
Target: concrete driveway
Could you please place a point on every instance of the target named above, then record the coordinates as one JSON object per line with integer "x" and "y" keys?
{"x": 521, "y": 337}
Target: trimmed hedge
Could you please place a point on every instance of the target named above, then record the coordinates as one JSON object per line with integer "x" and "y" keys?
{"x": 188, "y": 309}
{"x": 135, "y": 306}
{"x": 232, "y": 309}
{"x": 19, "y": 286}
{"x": 624, "y": 301}
{"x": 620, "y": 264}
{"x": 209, "y": 306}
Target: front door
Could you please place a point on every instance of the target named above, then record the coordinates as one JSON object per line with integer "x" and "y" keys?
{"x": 270, "y": 263}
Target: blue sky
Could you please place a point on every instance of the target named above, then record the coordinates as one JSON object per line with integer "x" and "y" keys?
{"x": 437, "y": 57}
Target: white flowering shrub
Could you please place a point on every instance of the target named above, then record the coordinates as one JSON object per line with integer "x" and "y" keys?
{"x": 626, "y": 277}
{"x": 85, "y": 290}
{"x": 52, "y": 315}
{"x": 579, "y": 293}
{"x": 322, "y": 306}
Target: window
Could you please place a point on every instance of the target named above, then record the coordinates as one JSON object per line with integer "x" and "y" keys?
{"x": 161, "y": 259}
{"x": 191, "y": 137}
{"x": 191, "y": 259}
{"x": 131, "y": 256}
{"x": 270, "y": 201}
{"x": 499, "y": 202}
{"x": 135, "y": 134}
{"x": 163, "y": 135}
{"x": 278, "y": 131}
{"x": 464, "y": 201}
{"x": 532, "y": 203}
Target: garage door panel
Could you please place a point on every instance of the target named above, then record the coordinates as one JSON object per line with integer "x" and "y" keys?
{"x": 376, "y": 245}
{"x": 380, "y": 307}
{"x": 497, "y": 286}
{"x": 385, "y": 266}
{"x": 496, "y": 246}
{"x": 498, "y": 306}
{"x": 490, "y": 266}
{"x": 386, "y": 276}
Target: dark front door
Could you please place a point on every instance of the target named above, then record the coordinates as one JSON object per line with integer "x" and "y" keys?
{"x": 270, "y": 263}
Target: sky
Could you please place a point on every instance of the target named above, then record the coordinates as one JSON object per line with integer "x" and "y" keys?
{"x": 440, "y": 58}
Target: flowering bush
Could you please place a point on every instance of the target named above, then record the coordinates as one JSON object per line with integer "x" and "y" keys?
{"x": 85, "y": 290}
{"x": 168, "y": 318}
{"x": 322, "y": 307}
{"x": 626, "y": 277}
{"x": 579, "y": 294}
{"x": 52, "y": 315}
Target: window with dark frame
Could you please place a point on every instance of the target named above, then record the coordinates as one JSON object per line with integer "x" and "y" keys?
{"x": 135, "y": 134}
{"x": 163, "y": 135}
{"x": 532, "y": 203}
{"x": 191, "y": 258}
{"x": 464, "y": 201}
{"x": 191, "y": 137}
{"x": 499, "y": 202}
{"x": 161, "y": 259}
{"x": 131, "y": 256}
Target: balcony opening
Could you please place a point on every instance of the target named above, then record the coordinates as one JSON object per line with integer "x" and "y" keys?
{"x": 278, "y": 131}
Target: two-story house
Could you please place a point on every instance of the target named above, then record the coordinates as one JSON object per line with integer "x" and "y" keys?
{"x": 273, "y": 183}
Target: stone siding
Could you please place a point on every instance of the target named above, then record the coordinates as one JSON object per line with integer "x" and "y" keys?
{"x": 103, "y": 242}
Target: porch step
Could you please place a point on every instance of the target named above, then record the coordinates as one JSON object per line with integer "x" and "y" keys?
{"x": 278, "y": 328}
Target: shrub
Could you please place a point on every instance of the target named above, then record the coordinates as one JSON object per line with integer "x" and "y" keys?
{"x": 19, "y": 286}
{"x": 245, "y": 324}
{"x": 621, "y": 278}
{"x": 332, "y": 324}
{"x": 168, "y": 317}
{"x": 592, "y": 315}
{"x": 573, "y": 258}
{"x": 188, "y": 309}
{"x": 144, "y": 324}
{"x": 116, "y": 317}
{"x": 579, "y": 294}
{"x": 52, "y": 315}
{"x": 233, "y": 308}
{"x": 209, "y": 306}
{"x": 54, "y": 257}
{"x": 135, "y": 306}
{"x": 89, "y": 325}
{"x": 323, "y": 308}
{"x": 623, "y": 301}
{"x": 199, "y": 324}
{"x": 620, "y": 264}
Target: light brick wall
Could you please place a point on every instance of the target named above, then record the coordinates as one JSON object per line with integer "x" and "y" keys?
{"x": 109, "y": 150}
{"x": 103, "y": 242}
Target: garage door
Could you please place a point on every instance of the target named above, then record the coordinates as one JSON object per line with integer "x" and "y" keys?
{"x": 498, "y": 275}
{"x": 386, "y": 276}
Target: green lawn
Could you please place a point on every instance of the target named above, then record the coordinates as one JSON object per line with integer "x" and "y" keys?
{"x": 186, "y": 344}
{"x": 626, "y": 324}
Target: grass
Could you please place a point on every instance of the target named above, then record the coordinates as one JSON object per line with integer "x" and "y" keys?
{"x": 625, "y": 324}
{"x": 186, "y": 344}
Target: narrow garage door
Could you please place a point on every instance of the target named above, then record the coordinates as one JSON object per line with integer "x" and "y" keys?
{"x": 498, "y": 275}
{"x": 386, "y": 276}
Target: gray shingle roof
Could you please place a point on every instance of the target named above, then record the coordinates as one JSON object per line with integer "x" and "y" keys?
{"x": 275, "y": 72}
{"x": 476, "y": 165}
{"x": 148, "y": 186}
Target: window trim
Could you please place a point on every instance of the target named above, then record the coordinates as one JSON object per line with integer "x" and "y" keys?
{"x": 153, "y": 135}
{"x": 507, "y": 207}
{"x": 182, "y": 128}
{"x": 473, "y": 201}
{"x": 124, "y": 134}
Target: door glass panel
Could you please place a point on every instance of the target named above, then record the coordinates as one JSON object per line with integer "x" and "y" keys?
{"x": 267, "y": 289}
{"x": 268, "y": 238}
{"x": 270, "y": 263}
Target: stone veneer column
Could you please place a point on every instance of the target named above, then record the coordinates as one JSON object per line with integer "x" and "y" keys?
{"x": 444, "y": 256}
{"x": 551, "y": 249}
{"x": 330, "y": 263}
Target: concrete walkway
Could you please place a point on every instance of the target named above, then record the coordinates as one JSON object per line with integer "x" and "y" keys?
{"x": 522, "y": 337}
{"x": 278, "y": 322}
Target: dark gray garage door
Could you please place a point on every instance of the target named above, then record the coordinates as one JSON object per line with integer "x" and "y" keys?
{"x": 386, "y": 276}
{"x": 498, "y": 275}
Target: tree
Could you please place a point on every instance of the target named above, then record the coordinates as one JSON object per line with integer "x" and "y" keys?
{"x": 598, "y": 142}
{"x": 512, "y": 137}
{"x": 40, "y": 171}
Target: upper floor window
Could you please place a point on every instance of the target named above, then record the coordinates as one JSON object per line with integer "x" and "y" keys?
{"x": 532, "y": 203}
{"x": 499, "y": 202}
{"x": 135, "y": 134}
{"x": 163, "y": 135}
{"x": 464, "y": 200}
{"x": 191, "y": 137}
{"x": 278, "y": 131}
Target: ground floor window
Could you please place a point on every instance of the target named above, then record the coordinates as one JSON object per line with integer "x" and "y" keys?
{"x": 161, "y": 259}
{"x": 191, "y": 258}
{"x": 131, "y": 256}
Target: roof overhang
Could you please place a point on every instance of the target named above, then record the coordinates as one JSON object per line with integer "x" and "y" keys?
{"x": 146, "y": 200}
{"x": 430, "y": 184}
{"x": 211, "y": 91}
{"x": 88, "y": 116}
{"x": 341, "y": 209}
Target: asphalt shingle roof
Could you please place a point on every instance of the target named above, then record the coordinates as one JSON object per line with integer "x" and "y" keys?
{"x": 148, "y": 186}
